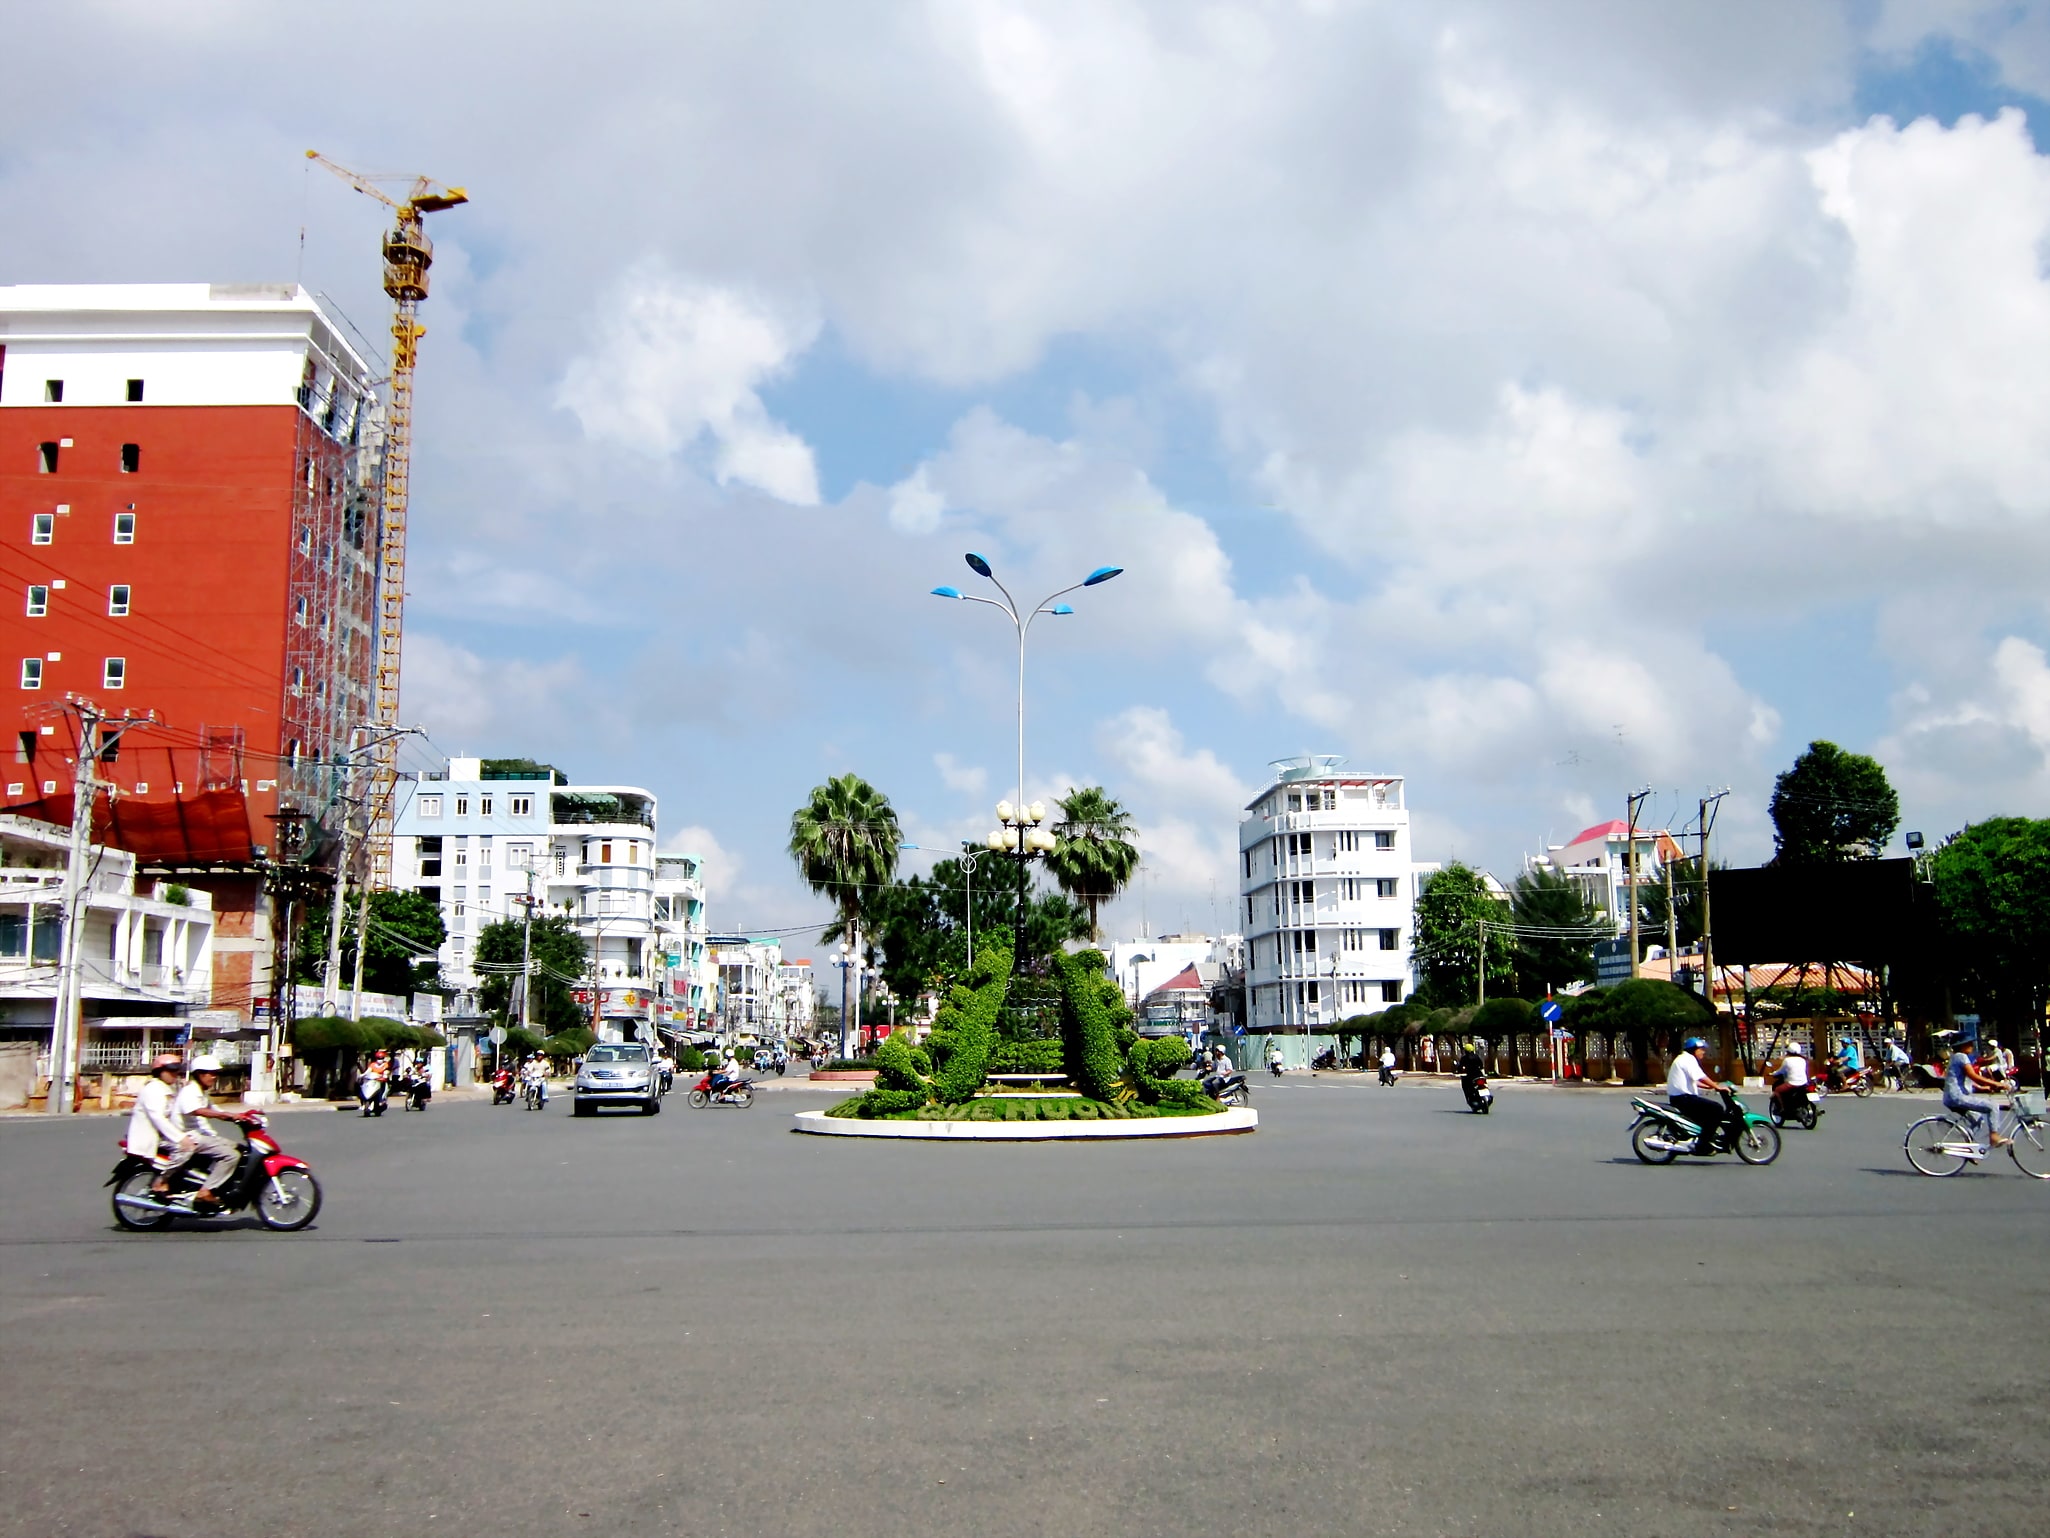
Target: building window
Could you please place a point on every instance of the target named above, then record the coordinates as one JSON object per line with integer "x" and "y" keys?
{"x": 117, "y": 600}
{"x": 53, "y": 392}
{"x": 1385, "y": 887}
{"x": 1247, "y": 857}
{"x": 44, "y": 530}
{"x": 456, "y": 949}
{"x": 131, "y": 458}
{"x": 523, "y": 806}
{"x": 605, "y": 852}
{"x": 46, "y": 459}
{"x": 462, "y": 806}
{"x": 114, "y": 675}
{"x": 134, "y": 392}
{"x": 1249, "y": 913}
{"x": 462, "y": 848}
{"x": 430, "y": 806}
{"x": 561, "y": 862}
{"x": 32, "y": 672}
{"x": 1306, "y": 893}
{"x": 429, "y": 850}
{"x": 38, "y": 601}
{"x": 484, "y": 899}
{"x": 1384, "y": 840}
{"x": 460, "y": 907}
{"x": 483, "y": 806}
{"x": 124, "y": 533}
{"x": 519, "y": 856}
{"x": 1391, "y": 939}
{"x": 1391, "y": 993}
{"x": 1299, "y": 844}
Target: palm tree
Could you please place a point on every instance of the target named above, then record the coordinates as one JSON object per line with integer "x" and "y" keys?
{"x": 1093, "y": 857}
{"x": 845, "y": 841}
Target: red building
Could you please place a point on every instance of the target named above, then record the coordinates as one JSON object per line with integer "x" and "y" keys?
{"x": 188, "y": 524}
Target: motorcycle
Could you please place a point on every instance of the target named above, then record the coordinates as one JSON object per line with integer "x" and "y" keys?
{"x": 280, "y": 1187}
{"x": 370, "y": 1094}
{"x": 1328, "y": 1058}
{"x": 1800, "y": 1103}
{"x": 1480, "y": 1099}
{"x": 1859, "y": 1081}
{"x": 534, "y": 1093}
{"x": 1274, "y": 1066}
{"x": 504, "y": 1087}
{"x": 1228, "y": 1088}
{"x": 1387, "y": 1074}
{"x": 418, "y": 1088}
{"x": 1661, "y": 1134}
{"x": 740, "y": 1092}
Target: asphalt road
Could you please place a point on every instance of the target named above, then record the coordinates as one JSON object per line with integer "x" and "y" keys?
{"x": 1376, "y": 1315}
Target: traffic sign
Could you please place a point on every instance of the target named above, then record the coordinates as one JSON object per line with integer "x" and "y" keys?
{"x": 1550, "y": 1012}
{"x": 498, "y": 1036}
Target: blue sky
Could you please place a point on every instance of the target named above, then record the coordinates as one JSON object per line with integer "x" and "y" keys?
{"x": 1541, "y": 400}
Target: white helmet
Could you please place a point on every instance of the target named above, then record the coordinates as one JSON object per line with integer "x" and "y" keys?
{"x": 206, "y": 1062}
{"x": 1795, "y": 1049}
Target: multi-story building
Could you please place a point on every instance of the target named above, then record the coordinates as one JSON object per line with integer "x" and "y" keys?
{"x": 689, "y": 982}
{"x": 750, "y": 1003}
{"x": 188, "y": 516}
{"x": 145, "y": 960}
{"x": 1329, "y": 894}
{"x": 1597, "y": 859}
{"x": 480, "y": 839}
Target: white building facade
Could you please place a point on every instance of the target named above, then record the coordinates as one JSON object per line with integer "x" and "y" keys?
{"x": 1327, "y": 894}
{"x": 481, "y": 845}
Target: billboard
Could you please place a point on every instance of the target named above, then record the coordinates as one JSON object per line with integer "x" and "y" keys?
{"x": 1867, "y": 911}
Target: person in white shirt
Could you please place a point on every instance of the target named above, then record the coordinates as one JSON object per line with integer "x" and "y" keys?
{"x": 1686, "y": 1082}
{"x": 1791, "y": 1072}
{"x": 193, "y": 1105}
{"x": 153, "y": 1133}
{"x": 1387, "y": 1065}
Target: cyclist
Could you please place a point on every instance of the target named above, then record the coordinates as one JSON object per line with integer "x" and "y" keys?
{"x": 1959, "y": 1080}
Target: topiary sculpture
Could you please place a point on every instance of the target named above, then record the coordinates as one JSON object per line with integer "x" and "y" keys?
{"x": 950, "y": 1068}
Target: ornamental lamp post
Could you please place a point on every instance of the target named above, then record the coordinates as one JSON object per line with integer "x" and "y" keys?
{"x": 1019, "y": 831}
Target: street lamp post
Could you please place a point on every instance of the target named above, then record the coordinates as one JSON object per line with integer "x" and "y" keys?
{"x": 1020, "y": 831}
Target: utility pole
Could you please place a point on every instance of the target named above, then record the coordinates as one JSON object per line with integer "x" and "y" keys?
{"x": 99, "y": 739}
{"x": 1481, "y": 967}
{"x": 527, "y": 957}
{"x": 1672, "y": 921}
{"x": 1635, "y": 801}
{"x": 1709, "y": 806}
{"x": 331, "y": 980}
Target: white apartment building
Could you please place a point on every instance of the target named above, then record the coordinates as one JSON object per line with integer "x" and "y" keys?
{"x": 479, "y": 844}
{"x": 1598, "y": 860}
{"x": 146, "y": 958}
{"x": 1328, "y": 894}
{"x": 681, "y": 938}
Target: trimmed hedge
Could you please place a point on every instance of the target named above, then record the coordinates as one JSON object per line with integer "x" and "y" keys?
{"x": 689, "y": 1060}
{"x": 576, "y": 1040}
{"x": 1089, "y": 1045}
{"x": 521, "y": 1041}
{"x": 1014, "y": 1108}
{"x": 1043, "y": 1056}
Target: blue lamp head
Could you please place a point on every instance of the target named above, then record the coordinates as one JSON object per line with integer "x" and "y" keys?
{"x": 946, "y": 592}
{"x": 978, "y": 565}
{"x": 1101, "y": 574}
{"x": 1061, "y": 608}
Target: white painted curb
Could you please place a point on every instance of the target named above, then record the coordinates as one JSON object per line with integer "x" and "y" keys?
{"x": 1235, "y": 1119}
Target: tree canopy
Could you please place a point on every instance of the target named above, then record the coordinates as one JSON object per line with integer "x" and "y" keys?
{"x": 1832, "y": 807}
{"x": 917, "y": 929}
{"x": 1557, "y": 927}
{"x": 406, "y": 932}
{"x": 1093, "y": 857}
{"x": 1992, "y": 886}
{"x": 558, "y": 949}
{"x": 1451, "y": 910}
{"x": 844, "y": 840}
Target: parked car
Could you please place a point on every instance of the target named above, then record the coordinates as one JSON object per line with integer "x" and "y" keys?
{"x": 618, "y": 1073}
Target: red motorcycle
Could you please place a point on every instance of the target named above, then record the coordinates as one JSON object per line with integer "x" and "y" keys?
{"x": 280, "y": 1187}
{"x": 505, "y": 1088}
{"x": 740, "y": 1092}
{"x": 1860, "y": 1082}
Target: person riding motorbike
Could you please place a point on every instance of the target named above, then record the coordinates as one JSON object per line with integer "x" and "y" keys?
{"x": 1216, "y": 1068}
{"x": 1962, "y": 1077}
{"x": 1999, "y": 1060}
{"x": 152, "y": 1132}
{"x": 1790, "y": 1074}
{"x": 198, "y": 1147}
{"x": 725, "y": 1071}
{"x": 1387, "y": 1065}
{"x": 376, "y": 1072}
{"x": 534, "y": 1071}
{"x": 1686, "y": 1082}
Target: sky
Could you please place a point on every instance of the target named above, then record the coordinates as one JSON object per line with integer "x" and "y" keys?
{"x": 1539, "y": 399}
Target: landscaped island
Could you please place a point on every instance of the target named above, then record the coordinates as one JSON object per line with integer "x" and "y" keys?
{"x": 1112, "y": 1072}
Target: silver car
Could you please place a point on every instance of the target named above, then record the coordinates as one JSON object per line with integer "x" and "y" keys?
{"x": 618, "y": 1073}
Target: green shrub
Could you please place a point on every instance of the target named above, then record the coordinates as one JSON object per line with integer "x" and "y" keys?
{"x": 689, "y": 1060}
{"x": 1088, "y": 1032}
{"x": 1040, "y": 1056}
{"x": 844, "y": 1065}
{"x": 970, "y": 1018}
{"x": 519, "y": 1041}
{"x": 745, "y": 1056}
{"x": 573, "y": 1042}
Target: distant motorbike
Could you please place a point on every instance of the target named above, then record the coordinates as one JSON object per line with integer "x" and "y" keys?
{"x": 1480, "y": 1099}
{"x": 418, "y": 1088}
{"x": 1859, "y": 1081}
{"x": 1661, "y": 1134}
{"x": 1328, "y": 1058}
{"x": 280, "y": 1187}
{"x": 505, "y": 1089}
{"x": 740, "y": 1092}
{"x": 371, "y": 1092}
{"x": 1800, "y": 1103}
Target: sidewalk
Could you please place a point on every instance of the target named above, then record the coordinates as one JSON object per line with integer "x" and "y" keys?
{"x": 474, "y": 1092}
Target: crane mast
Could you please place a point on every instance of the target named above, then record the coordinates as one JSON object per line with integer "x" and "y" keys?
{"x": 408, "y": 253}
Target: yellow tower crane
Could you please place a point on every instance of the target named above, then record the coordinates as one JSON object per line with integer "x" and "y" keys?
{"x": 408, "y": 253}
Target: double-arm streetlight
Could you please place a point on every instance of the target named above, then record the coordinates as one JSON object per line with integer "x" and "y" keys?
{"x": 1021, "y": 832}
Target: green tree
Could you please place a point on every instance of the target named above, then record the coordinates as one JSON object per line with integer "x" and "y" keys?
{"x": 1652, "y": 1012}
{"x": 1094, "y": 857}
{"x": 1992, "y": 887}
{"x": 844, "y": 840}
{"x": 1831, "y": 807}
{"x": 1454, "y": 909}
{"x": 1556, "y": 929}
{"x": 522, "y": 769}
{"x": 917, "y": 929}
{"x": 406, "y": 932}
{"x": 558, "y": 954}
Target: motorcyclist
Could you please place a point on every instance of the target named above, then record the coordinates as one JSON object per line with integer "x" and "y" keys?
{"x": 725, "y": 1072}
{"x": 1387, "y": 1065}
{"x": 1791, "y": 1073}
{"x": 376, "y": 1073}
{"x": 1274, "y": 1057}
{"x": 1691, "y": 1091}
{"x": 1999, "y": 1061}
{"x": 535, "y": 1072}
{"x": 191, "y": 1105}
{"x": 153, "y": 1134}
{"x": 1217, "y": 1069}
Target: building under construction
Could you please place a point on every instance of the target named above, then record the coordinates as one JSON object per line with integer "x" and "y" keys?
{"x": 190, "y": 486}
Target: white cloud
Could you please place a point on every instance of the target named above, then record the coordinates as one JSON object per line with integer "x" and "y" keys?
{"x": 719, "y": 868}
{"x": 968, "y": 779}
{"x": 915, "y": 506}
{"x": 675, "y": 360}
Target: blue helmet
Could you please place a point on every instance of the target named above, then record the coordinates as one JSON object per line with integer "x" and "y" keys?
{"x": 1692, "y": 1043}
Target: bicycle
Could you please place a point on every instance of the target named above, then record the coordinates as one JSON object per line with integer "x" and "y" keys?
{"x": 1945, "y": 1143}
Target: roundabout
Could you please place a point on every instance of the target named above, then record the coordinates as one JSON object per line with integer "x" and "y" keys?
{"x": 1221, "y": 1124}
